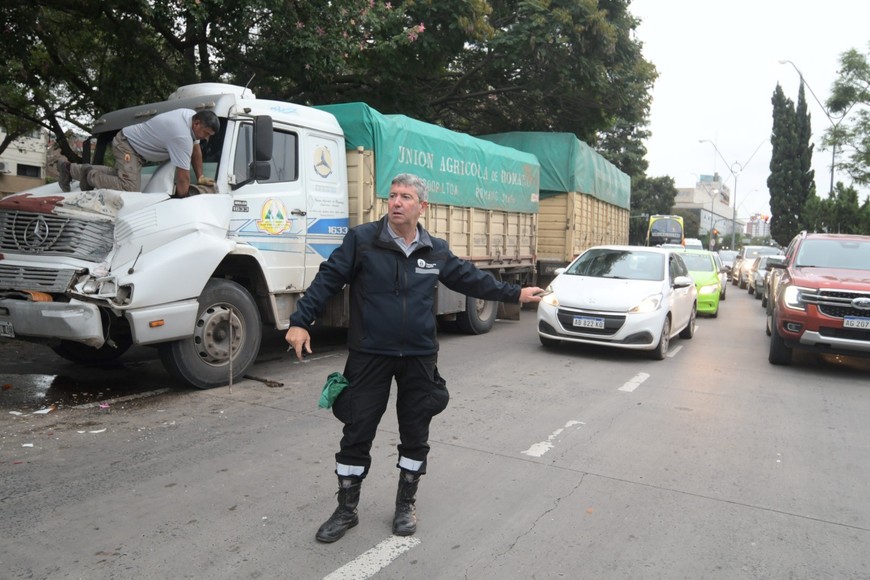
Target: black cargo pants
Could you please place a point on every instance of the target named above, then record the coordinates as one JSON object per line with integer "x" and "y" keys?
{"x": 420, "y": 395}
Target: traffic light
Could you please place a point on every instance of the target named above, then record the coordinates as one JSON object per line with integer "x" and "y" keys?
{"x": 715, "y": 233}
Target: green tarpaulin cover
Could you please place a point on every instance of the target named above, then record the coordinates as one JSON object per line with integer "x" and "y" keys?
{"x": 568, "y": 164}
{"x": 459, "y": 169}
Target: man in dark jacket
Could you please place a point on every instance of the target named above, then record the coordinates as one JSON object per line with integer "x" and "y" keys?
{"x": 393, "y": 267}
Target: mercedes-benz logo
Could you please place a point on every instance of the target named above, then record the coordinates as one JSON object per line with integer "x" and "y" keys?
{"x": 35, "y": 233}
{"x": 861, "y": 303}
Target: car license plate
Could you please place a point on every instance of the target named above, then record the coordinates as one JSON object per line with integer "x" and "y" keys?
{"x": 855, "y": 322}
{"x": 583, "y": 322}
{"x": 6, "y": 330}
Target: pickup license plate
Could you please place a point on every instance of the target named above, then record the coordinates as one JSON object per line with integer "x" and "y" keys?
{"x": 6, "y": 330}
{"x": 583, "y": 322}
{"x": 855, "y": 322}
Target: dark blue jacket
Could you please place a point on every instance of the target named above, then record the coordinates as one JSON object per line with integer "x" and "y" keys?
{"x": 393, "y": 297}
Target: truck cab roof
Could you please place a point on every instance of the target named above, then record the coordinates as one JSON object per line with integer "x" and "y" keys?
{"x": 226, "y": 101}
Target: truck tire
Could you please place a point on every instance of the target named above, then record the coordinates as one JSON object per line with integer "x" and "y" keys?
{"x": 479, "y": 316}
{"x": 84, "y": 354}
{"x": 779, "y": 353}
{"x": 202, "y": 361}
{"x": 119, "y": 340}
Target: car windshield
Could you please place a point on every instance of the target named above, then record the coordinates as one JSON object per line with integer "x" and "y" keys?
{"x": 698, "y": 262}
{"x": 847, "y": 254}
{"x": 625, "y": 264}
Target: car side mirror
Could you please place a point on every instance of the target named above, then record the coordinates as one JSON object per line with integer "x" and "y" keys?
{"x": 683, "y": 282}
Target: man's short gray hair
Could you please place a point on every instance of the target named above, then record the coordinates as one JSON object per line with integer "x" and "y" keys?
{"x": 414, "y": 181}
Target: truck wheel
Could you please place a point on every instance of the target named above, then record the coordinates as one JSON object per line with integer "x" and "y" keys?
{"x": 202, "y": 360}
{"x": 779, "y": 353}
{"x": 479, "y": 316}
{"x": 84, "y": 354}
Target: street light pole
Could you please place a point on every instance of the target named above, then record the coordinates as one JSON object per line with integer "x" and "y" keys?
{"x": 734, "y": 173}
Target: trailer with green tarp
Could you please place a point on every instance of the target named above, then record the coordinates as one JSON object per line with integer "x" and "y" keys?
{"x": 483, "y": 197}
{"x": 585, "y": 200}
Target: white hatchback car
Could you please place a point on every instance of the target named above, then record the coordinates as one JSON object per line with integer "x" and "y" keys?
{"x": 631, "y": 297}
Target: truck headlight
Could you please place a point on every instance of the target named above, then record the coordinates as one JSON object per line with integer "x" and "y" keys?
{"x": 793, "y": 297}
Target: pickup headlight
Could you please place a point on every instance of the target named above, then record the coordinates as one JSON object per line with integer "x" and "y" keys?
{"x": 648, "y": 304}
{"x": 793, "y": 297}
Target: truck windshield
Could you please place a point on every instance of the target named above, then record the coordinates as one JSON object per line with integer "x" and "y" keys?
{"x": 846, "y": 254}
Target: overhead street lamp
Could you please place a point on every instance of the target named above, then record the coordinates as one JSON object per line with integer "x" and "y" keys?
{"x": 736, "y": 169}
{"x": 834, "y": 124}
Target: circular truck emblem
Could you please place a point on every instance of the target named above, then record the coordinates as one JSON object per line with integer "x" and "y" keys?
{"x": 861, "y": 303}
{"x": 35, "y": 233}
{"x": 323, "y": 161}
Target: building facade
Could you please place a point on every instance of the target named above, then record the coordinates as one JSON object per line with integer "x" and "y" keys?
{"x": 23, "y": 163}
{"x": 710, "y": 200}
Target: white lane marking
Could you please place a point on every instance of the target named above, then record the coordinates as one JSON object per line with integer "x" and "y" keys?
{"x": 538, "y": 449}
{"x": 673, "y": 352}
{"x": 634, "y": 382}
{"x": 373, "y": 561}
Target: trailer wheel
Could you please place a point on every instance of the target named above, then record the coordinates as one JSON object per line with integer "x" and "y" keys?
{"x": 202, "y": 360}
{"x": 479, "y": 316}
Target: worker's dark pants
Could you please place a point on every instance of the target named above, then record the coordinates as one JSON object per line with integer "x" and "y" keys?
{"x": 420, "y": 395}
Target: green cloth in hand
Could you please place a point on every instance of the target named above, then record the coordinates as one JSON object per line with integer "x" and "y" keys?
{"x": 335, "y": 384}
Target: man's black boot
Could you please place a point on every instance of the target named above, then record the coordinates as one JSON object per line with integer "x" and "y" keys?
{"x": 345, "y": 515}
{"x": 405, "y": 520}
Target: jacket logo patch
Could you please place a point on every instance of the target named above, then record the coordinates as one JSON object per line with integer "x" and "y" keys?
{"x": 424, "y": 267}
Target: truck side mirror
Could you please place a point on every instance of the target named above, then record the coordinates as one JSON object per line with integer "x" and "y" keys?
{"x": 260, "y": 168}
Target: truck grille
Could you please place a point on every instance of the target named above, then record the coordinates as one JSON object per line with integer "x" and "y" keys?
{"x": 50, "y": 235}
{"x": 836, "y": 303}
{"x": 42, "y": 279}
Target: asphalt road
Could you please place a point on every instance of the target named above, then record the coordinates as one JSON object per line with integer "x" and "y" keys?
{"x": 569, "y": 463}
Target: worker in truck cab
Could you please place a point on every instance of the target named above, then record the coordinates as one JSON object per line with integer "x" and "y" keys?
{"x": 173, "y": 135}
{"x": 393, "y": 267}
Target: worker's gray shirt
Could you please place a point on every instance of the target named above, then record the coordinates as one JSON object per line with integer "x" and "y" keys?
{"x": 168, "y": 135}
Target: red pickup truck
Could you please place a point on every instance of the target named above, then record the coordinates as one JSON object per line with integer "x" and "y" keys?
{"x": 820, "y": 297}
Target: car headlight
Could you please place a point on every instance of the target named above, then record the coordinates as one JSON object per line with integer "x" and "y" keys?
{"x": 793, "y": 297}
{"x": 648, "y": 304}
{"x": 709, "y": 289}
{"x": 549, "y": 297}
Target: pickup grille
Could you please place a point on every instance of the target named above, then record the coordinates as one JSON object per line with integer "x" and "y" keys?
{"x": 50, "y": 235}
{"x": 42, "y": 279}
{"x": 836, "y": 303}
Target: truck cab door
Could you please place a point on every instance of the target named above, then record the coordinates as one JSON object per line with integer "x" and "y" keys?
{"x": 325, "y": 177}
{"x": 269, "y": 213}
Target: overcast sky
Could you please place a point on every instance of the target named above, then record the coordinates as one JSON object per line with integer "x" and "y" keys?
{"x": 718, "y": 64}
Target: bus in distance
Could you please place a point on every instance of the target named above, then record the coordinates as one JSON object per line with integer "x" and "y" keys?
{"x": 665, "y": 229}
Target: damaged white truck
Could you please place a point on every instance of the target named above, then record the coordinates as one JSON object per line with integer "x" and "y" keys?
{"x": 91, "y": 273}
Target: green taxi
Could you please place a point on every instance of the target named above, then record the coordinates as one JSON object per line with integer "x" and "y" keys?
{"x": 705, "y": 272}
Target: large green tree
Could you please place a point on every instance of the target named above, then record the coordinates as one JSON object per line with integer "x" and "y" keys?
{"x": 849, "y": 106}
{"x": 649, "y": 196}
{"x": 477, "y": 66}
{"x": 791, "y": 178}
